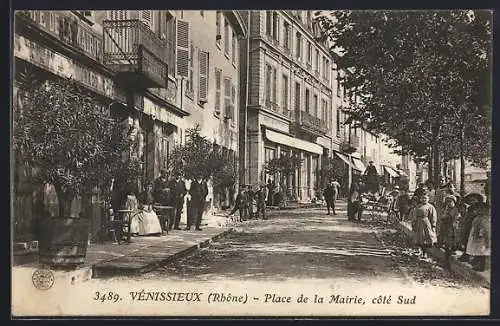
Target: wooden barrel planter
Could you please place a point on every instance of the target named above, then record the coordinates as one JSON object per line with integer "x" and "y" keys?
{"x": 63, "y": 241}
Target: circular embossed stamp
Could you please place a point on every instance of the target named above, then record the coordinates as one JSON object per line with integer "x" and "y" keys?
{"x": 43, "y": 279}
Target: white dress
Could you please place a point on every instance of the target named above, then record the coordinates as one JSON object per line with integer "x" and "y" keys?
{"x": 143, "y": 221}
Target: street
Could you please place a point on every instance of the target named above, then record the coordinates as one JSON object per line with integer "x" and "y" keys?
{"x": 308, "y": 244}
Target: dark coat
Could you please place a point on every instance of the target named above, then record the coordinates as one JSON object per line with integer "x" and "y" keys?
{"x": 329, "y": 193}
{"x": 159, "y": 193}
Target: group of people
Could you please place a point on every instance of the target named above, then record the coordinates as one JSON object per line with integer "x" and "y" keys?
{"x": 164, "y": 193}
{"x": 440, "y": 217}
{"x": 251, "y": 204}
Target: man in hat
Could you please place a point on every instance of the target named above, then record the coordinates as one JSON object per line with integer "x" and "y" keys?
{"x": 371, "y": 177}
{"x": 178, "y": 192}
{"x": 260, "y": 196}
{"x": 160, "y": 188}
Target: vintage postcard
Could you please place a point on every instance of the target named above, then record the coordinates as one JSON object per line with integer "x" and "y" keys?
{"x": 251, "y": 163}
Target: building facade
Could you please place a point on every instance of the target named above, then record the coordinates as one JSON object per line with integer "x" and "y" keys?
{"x": 160, "y": 72}
{"x": 289, "y": 106}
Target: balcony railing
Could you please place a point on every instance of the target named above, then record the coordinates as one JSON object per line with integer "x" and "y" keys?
{"x": 131, "y": 47}
{"x": 68, "y": 28}
{"x": 313, "y": 123}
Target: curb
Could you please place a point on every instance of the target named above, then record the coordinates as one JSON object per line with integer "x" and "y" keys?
{"x": 457, "y": 267}
{"x": 105, "y": 269}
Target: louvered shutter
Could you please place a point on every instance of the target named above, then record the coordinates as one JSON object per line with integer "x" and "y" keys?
{"x": 182, "y": 48}
{"x": 233, "y": 102}
{"x": 227, "y": 97}
{"x": 147, "y": 18}
{"x": 218, "y": 86}
{"x": 203, "y": 82}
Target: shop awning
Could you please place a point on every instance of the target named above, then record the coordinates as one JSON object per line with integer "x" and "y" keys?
{"x": 280, "y": 138}
{"x": 393, "y": 173}
{"x": 344, "y": 158}
{"x": 358, "y": 165}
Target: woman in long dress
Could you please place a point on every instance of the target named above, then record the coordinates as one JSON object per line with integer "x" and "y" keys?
{"x": 424, "y": 224}
{"x": 144, "y": 220}
{"x": 479, "y": 244}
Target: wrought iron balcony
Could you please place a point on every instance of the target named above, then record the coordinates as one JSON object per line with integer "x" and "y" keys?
{"x": 136, "y": 53}
{"x": 312, "y": 123}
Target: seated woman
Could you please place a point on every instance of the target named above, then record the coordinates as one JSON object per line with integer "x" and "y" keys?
{"x": 144, "y": 220}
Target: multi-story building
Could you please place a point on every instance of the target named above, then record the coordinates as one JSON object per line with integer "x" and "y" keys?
{"x": 159, "y": 71}
{"x": 289, "y": 105}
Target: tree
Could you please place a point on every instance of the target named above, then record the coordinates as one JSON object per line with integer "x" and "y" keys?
{"x": 63, "y": 133}
{"x": 201, "y": 158}
{"x": 430, "y": 70}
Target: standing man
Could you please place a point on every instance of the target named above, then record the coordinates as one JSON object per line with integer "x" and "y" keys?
{"x": 354, "y": 210}
{"x": 329, "y": 198}
{"x": 371, "y": 178}
{"x": 261, "y": 202}
{"x": 193, "y": 203}
{"x": 160, "y": 188}
{"x": 240, "y": 204}
{"x": 178, "y": 193}
{"x": 201, "y": 202}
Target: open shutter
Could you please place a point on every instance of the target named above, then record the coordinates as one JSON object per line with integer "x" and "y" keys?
{"x": 147, "y": 18}
{"x": 218, "y": 86}
{"x": 182, "y": 48}
{"x": 233, "y": 102}
{"x": 203, "y": 85}
{"x": 227, "y": 97}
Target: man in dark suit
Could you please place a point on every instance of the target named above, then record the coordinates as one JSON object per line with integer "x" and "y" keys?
{"x": 160, "y": 188}
{"x": 201, "y": 203}
{"x": 328, "y": 193}
{"x": 178, "y": 193}
{"x": 193, "y": 203}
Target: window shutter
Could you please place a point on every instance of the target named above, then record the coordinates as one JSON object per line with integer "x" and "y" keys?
{"x": 204, "y": 66}
{"x": 233, "y": 101}
{"x": 147, "y": 18}
{"x": 227, "y": 97}
{"x": 218, "y": 86}
{"x": 182, "y": 48}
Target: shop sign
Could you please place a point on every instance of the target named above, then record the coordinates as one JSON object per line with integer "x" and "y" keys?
{"x": 65, "y": 67}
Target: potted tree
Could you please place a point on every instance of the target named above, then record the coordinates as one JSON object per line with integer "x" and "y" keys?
{"x": 71, "y": 143}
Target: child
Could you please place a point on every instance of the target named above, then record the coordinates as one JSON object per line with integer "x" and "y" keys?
{"x": 479, "y": 244}
{"x": 449, "y": 226}
{"x": 424, "y": 224}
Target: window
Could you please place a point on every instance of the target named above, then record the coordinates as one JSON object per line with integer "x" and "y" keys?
{"x": 235, "y": 47}
{"x": 226, "y": 37}
{"x": 268, "y": 154}
{"x": 309, "y": 52}
{"x": 203, "y": 76}
{"x": 327, "y": 73}
{"x": 315, "y": 106}
{"x": 297, "y": 97}
{"x": 307, "y": 100}
{"x": 218, "y": 37}
{"x": 324, "y": 111}
{"x": 338, "y": 122}
{"x": 227, "y": 98}
{"x": 218, "y": 86}
{"x": 170, "y": 31}
{"x": 182, "y": 48}
{"x": 269, "y": 23}
{"x": 276, "y": 29}
{"x": 298, "y": 46}
{"x": 286, "y": 36}
{"x": 284, "y": 94}
{"x": 316, "y": 66}
{"x": 233, "y": 102}
{"x": 270, "y": 95}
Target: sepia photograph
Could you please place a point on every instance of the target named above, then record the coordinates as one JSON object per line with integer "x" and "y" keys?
{"x": 239, "y": 163}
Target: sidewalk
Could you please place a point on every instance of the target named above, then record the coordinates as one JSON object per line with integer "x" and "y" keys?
{"x": 143, "y": 254}
{"x": 457, "y": 267}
